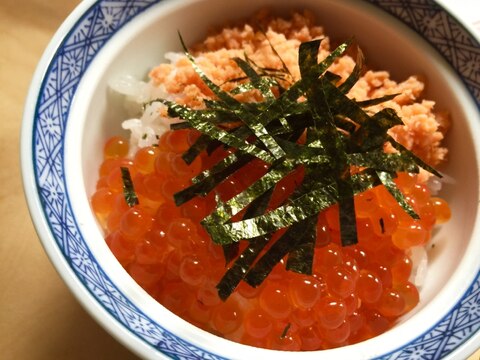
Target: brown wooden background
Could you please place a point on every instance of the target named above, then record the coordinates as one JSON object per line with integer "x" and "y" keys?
{"x": 39, "y": 318}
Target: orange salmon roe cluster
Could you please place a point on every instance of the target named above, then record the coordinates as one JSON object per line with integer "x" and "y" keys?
{"x": 355, "y": 292}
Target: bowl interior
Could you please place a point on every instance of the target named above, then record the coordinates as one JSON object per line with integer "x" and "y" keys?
{"x": 96, "y": 114}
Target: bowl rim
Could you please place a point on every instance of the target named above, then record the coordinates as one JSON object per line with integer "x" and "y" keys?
{"x": 36, "y": 206}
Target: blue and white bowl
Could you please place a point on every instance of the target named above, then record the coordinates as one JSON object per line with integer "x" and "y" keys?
{"x": 69, "y": 114}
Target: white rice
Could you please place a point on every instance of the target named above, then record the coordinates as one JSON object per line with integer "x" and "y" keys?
{"x": 146, "y": 124}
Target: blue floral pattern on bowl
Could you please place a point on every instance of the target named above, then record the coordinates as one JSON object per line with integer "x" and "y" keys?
{"x": 72, "y": 58}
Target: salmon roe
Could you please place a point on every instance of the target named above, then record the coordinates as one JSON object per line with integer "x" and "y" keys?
{"x": 354, "y": 293}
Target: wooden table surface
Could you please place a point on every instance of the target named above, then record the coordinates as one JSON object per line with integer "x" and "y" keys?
{"x": 39, "y": 318}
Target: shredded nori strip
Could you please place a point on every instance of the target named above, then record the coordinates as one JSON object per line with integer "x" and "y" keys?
{"x": 387, "y": 180}
{"x": 239, "y": 269}
{"x": 376, "y": 101}
{"x": 285, "y": 244}
{"x": 300, "y": 259}
{"x": 382, "y": 225}
{"x": 128, "y": 190}
{"x": 285, "y": 331}
{"x": 340, "y": 136}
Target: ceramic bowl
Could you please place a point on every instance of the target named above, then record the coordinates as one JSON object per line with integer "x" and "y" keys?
{"x": 69, "y": 114}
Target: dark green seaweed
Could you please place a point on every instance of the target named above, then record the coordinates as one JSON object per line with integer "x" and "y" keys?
{"x": 340, "y": 136}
